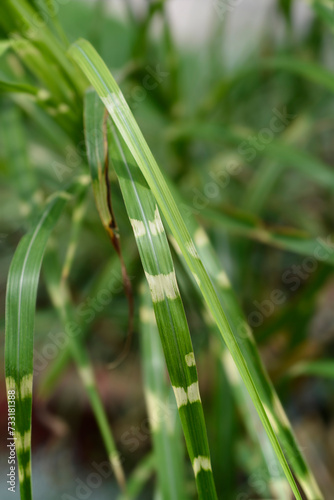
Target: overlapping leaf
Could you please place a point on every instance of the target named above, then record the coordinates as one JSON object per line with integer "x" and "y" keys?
{"x": 172, "y": 324}
{"x": 110, "y": 94}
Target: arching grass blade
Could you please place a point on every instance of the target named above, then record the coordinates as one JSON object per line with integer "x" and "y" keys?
{"x": 109, "y": 92}
{"x": 20, "y": 313}
{"x": 172, "y": 324}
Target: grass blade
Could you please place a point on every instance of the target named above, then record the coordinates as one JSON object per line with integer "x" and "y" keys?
{"x": 109, "y": 278}
{"x": 109, "y": 92}
{"x": 161, "y": 410}
{"x": 285, "y": 238}
{"x": 277, "y": 483}
{"x": 139, "y": 477}
{"x": 97, "y": 154}
{"x": 15, "y": 150}
{"x": 7, "y": 86}
{"x": 20, "y": 311}
{"x": 249, "y": 350}
{"x": 278, "y": 150}
{"x": 60, "y": 296}
{"x": 173, "y": 328}
{"x": 322, "y": 368}
{"x": 77, "y": 220}
{"x": 306, "y": 69}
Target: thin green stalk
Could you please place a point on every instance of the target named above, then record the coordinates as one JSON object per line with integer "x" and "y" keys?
{"x": 77, "y": 220}
{"x": 60, "y": 296}
{"x": 110, "y": 279}
{"x": 141, "y": 474}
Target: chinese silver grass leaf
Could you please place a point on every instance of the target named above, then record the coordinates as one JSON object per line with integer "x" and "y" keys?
{"x": 96, "y": 71}
{"x": 248, "y": 347}
{"x": 95, "y": 118}
{"x": 172, "y": 324}
{"x": 276, "y": 484}
{"x": 161, "y": 407}
{"x": 32, "y": 27}
{"x": 20, "y": 314}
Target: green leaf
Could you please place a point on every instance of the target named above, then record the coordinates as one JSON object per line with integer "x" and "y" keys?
{"x": 139, "y": 477}
{"x": 109, "y": 278}
{"x": 8, "y": 86}
{"x": 322, "y": 368}
{"x": 288, "y": 239}
{"x": 4, "y": 46}
{"x": 159, "y": 270}
{"x": 162, "y": 411}
{"x": 97, "y": 153}
{"x": 324, "y": 9}
{"x": 284, "y": 154}
{"x": 61, "y": 299}
{"x": 307, "y": 69}
{"x": 20, "y": 313}
{"x": 247, "y": 345}
{"x": 109, "y": 92}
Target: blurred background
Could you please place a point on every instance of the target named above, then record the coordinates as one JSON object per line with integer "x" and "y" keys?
{"x": 235, "y": 99}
